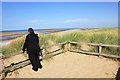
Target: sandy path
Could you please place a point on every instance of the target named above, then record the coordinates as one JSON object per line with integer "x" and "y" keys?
{"x": 68, "y": 65}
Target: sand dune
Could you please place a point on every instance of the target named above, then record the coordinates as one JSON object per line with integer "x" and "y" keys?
{"x": 67, "y": 65}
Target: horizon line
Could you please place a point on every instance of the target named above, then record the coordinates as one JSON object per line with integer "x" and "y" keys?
{"x": 57, "y": 28}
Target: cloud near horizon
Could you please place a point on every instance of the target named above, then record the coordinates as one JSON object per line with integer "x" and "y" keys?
{"x": 76, "y": 20}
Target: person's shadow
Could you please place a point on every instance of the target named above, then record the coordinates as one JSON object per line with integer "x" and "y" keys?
{"x": 118, "y": 74}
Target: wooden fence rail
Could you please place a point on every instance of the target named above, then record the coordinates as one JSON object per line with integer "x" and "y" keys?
{"x": 96, "y": 54}
{"x": 13, "y": 66}
{"x": 100, "y": 45}
{"x": 95, "y": 44}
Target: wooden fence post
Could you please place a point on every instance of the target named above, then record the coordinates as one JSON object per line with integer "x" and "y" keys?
{"x": 100, "y": 48}
{"x": 2, "y": 76}
{"x": 69, "y": 46}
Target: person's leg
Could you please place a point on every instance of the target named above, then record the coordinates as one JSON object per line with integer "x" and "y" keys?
{"x": 38, "y": 61}
{"x": 33, "y": 61}
{"x": 39, "y": 64}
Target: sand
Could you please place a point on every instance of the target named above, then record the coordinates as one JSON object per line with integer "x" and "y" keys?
{"x": 67, "y": 65}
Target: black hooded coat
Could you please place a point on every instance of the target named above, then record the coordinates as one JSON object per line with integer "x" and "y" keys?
{"x": 33, "y": 49}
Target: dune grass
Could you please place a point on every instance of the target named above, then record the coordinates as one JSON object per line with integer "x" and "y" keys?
{"x": 73, "y": 37}
{"x": 17, "y": 44}
{"x": 104, "y": 36}
{"x": 105, "y": 39}
{"x": 44, "y": 39}
{"x": 14, "y": 46}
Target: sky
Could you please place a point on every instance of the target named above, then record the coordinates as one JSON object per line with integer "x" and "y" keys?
{"x": 51, "y": 15}
{"x": 60, "y": 0}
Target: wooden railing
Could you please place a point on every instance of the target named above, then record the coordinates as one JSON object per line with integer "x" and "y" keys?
{"x": 15, "y": 66}
{"x": 42, "y": 47}
{"x": 99, "y": 49}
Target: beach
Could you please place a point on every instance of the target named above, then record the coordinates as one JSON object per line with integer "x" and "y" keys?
{"x": 77, "y": 39}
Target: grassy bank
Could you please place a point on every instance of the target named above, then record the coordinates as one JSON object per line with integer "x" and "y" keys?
{"x": 105, "y": 36}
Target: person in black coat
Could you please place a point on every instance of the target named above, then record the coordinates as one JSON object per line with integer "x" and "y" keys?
{"x": 33, "y": 49}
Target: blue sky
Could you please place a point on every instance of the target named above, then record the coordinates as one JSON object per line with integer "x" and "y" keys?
{"x": 43, "y": 15}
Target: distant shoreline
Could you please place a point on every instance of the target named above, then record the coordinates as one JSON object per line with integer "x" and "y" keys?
{"x": 4, "y": 36}
{"x": 10, "y": 31}
{"x": 34, "y": 30}
{"x": 23, "y": 33}
{"x": 19, "y": 34}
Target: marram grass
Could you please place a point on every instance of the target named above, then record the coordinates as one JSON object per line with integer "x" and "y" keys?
{"x": 14, "y": 46}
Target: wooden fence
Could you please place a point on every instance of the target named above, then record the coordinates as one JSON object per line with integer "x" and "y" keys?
{"x": 15, "y": 66}
{"x": 99, "y": 49}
